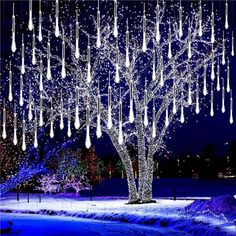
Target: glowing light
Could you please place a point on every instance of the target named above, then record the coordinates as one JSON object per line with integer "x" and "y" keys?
{"x": 13, "y": 38}
{"x": 10, "y": 96}
{"x": 127, "y": 62}
{"x": 180, "y": 21}
{"x": 30, "y": 24}
{"x": 144, "y": 46}
{"x": 98, "y": 28}
{"x": 131, "y": 109}
{"x": 226, "y": 15}
{"x": 57, "y": 32}
{"x": 40, "y": 36}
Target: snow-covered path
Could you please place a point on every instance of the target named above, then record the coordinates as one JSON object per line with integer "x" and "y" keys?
{"x": 37, "y": 225}
{"x": 76, "y": 204}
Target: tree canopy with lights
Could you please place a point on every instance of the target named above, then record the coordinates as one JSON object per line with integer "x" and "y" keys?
{"x": 108, "y": 73}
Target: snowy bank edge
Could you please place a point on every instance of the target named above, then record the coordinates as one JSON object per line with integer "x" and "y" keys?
{"x": 178, "y": 222}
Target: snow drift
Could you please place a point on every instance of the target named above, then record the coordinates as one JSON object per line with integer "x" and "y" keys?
{"x": 183, "y": 215}
{"x": 218, "y": 205}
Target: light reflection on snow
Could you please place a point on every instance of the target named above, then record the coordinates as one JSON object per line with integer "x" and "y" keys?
{"x": 105, "y": 208}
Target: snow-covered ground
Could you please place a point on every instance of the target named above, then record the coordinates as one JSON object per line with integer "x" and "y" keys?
{"x": 39, "y": 225}
{"x": 163, "y": 215}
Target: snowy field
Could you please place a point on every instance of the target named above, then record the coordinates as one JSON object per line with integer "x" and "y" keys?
{"x": 165, "y": 217}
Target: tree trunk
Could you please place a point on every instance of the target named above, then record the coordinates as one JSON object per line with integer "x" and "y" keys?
{"x": 146, "y": 188}
{"x": 142, "y": 162}
{"x": 133, "y": 195}
{"x": 142, "y": 165}
{"x": 125, "y": 158}
{"x": 147, "y": 191}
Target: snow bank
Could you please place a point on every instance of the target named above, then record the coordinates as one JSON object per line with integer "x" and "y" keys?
{"x": 175, "y": 222}
{"x": 164, "y": 213}
{"x": 217, "y": 205}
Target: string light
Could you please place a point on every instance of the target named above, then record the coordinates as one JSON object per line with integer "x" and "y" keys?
{"x": 169, "y": 43}
{"x": 153, "y": 66}
{"x": 223, "y": 49}
{"x": 4, "y": 133}
{"x": 212, "y": 64}
{"x": 77, "y": 36}
{"x": 21, "y": 101}
{"x": 117, "y": 75}
{"x": 30, "y": 115}
{"x": 51, "y": 122}
{"x": 15, "y": 127}
{"x": 13, "y": 29}
{"x": 30, "y": 24}
{"x": 226, "y": 15}
{"x": 228, "y": 77}
{"x": 197, "y": 110}
{"x": 98, "y": 28}
{"x": 180, "y": 21}
{"x": 49, "y": 75}
{"x": 77, "y": 121}
{"x": 68, "y": 123}
{"x": 158, "y": 35}
{"x": 23, "y": 134}
{"x": 10, "y": 96}
{"x": 40, "y": 36}
{"x": 231, "y": 119}
{"x": 41, "y": 74}
{"x": 232, "y": 44}
{"x": 22, "y": 56}
{"x": 131, "y": 108}
{"x": 223, "y": 97}
{"x": 33, "y": 48}
{"x": 89, "y": 62}
{"x": 57, "y": 32}
{"x": 61, "y": 113}
{"x": 212, "y": 24}
{"x": 167, "y": 115}
{"x": 204, "y": 82}
{"x": 87, "y": 139}
{"x": 115, "y": 19}
{"x": 182, "y": 119}
{"x": 127, "y": 61}
{"x": 35, "y": 130}
{"x": 99, "y": 130}
{"x": 109, "y": 117}
{"x": 41, "y": 110}
{"x": 189, "y": 91}
{"x": 212, "y": 101}
{"x": 218, "y": 75}
{"x": 200, "y": 33}
{"x": 167, "y": 84}
{"x": 189, "y": 41}
{"x": 63, "y": 67}
{"x": 144, "y": 47}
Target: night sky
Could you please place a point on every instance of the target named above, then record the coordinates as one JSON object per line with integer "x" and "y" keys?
{"x": 198, "y": 131}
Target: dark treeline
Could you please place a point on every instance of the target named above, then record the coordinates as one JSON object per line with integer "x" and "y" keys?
{"x": 205, "y": 165}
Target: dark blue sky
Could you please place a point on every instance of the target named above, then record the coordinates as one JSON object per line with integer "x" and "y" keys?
{"x": 198, "y": 131}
